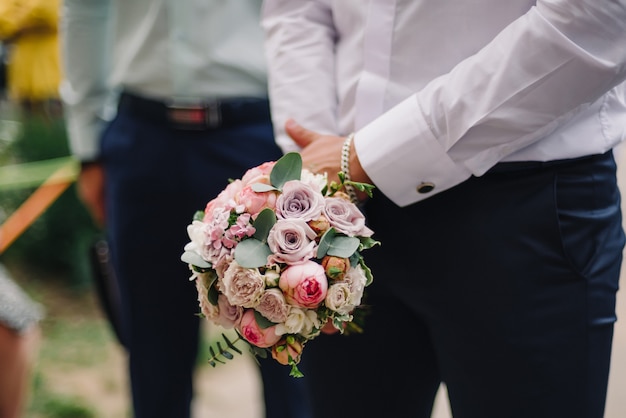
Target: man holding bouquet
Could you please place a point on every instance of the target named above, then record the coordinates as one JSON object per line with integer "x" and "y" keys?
{"x": 487, "y": 128}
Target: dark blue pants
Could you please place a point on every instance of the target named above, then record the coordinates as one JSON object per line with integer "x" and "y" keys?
{"x": 502, "y": 287}
{"x": 156, "y": 178}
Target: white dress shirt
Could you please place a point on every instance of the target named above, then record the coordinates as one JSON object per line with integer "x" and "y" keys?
{"x": 440, "y": 90}
{"x": 163, "y": 49}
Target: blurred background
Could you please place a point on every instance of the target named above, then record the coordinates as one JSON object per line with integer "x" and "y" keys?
{"x": 48, "y": 251}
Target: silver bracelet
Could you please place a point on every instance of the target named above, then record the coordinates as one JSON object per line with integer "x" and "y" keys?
{"x": 345, "y": 167}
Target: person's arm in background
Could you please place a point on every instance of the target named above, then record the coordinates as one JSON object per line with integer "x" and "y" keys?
{"x": 542, "y": 69}
{"x": 85, "y": 52}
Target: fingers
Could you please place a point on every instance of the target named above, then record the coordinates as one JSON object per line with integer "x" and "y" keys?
{"x": 299, "y": 134}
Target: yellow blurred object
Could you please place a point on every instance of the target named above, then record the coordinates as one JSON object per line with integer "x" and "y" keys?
{"x": 30, "y": 29}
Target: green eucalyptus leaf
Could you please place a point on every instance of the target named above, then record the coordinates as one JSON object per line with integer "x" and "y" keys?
{"x": 263, "y": 223}
{"x": 262, "y": 321}
{"x": 194, "y": 259}
{"x": 257, "y": 351}
{"x": 325, "y": 242}
{"x": 342, "y": 246}
{"x": 231, "y": 344}
{"x": 262, "y": 187}
{"x": 224, "y": 352}
{"x": 252, "y": 253}
{"x": 213, "y": 295}
{"x": 287, "y": 168}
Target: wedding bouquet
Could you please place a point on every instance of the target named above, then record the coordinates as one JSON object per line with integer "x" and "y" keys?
{"x": 277, "y": 256}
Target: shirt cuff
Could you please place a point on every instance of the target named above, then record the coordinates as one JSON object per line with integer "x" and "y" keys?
{"x": 403, "y": 158}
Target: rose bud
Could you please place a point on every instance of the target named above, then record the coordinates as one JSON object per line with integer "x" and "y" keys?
{"x": 286, "y": 348}
{"x": 335, "y": 267}
{"x": 319, "y": 225}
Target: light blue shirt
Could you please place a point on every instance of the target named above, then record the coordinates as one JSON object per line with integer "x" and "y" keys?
{"x": 187, "y": 50}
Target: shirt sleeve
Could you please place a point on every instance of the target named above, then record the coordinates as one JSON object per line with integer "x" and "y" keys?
{"x": 300, "y": 36}
{"x": 84, "y": 91}
{"x": 539, "y": 72}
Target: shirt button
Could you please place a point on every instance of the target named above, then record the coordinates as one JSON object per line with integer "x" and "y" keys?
{"x": 425, "y": 187}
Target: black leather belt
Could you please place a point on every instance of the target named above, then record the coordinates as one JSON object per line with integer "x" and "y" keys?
{"x": 205, "y": 115}
{"x": 514, "y": 166}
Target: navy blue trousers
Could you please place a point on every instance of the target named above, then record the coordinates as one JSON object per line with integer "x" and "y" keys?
{"x": 502, "y": 287}
{"x": 156, "y": 179}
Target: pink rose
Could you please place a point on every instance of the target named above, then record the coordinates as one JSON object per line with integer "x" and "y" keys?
{"x": 254, "y": 334}
{"x": 225, "y": 200}
{"x": 259, "y": 174}
{"x": 255, "y": 202}
{"x": 304, "y": 285}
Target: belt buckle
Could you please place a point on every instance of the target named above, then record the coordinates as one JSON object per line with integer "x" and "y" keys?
{"x": 194, "y": 116}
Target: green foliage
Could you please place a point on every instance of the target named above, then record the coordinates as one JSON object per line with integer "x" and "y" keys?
{"x": 54, "y": 406}
{"x": 193, "y": 258}
{"x": 287, "y": 168}
{"x": 253, "y": 252}
{"x": 337, "y": 245}
{"x": 220, "y": 354}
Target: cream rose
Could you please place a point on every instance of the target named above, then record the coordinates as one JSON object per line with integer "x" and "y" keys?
{"x": 273, "y": 306}
{"x": 242, "y": 286}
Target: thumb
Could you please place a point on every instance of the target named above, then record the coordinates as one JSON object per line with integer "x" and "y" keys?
{"x": 299, "y": 134}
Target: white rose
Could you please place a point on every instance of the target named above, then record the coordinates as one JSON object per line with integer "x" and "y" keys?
{"x": 356, "y": 279}
{"x": 316, "y": 181}
{"x": 300, "y": 321}
{"x": 338, "y": 298}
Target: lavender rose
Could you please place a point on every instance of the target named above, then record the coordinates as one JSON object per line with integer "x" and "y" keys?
{"x": 299, "y": 200}
{"x": 291, "y": 241}
{"x": 229, "y": 315}
{"x": 346, "y": 217}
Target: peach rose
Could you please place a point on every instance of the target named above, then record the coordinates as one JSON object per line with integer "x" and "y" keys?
{"x": 287, "y": 348}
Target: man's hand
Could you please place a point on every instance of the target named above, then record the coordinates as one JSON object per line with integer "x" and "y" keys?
{"x": 91, "y": 190}
{"x": 322, "y": 153}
